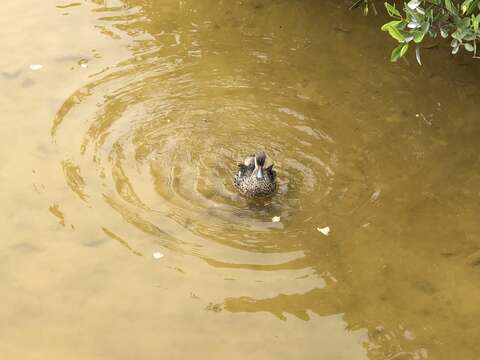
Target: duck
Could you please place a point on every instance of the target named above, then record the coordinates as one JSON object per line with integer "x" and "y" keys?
{"x": 253, "y": 179}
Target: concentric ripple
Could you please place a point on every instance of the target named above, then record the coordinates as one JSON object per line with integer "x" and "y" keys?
{"x": 157, "y": 138}
{"x": 159, "y": 143}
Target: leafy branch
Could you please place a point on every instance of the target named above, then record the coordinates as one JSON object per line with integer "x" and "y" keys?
{"x": 458, "y": 20}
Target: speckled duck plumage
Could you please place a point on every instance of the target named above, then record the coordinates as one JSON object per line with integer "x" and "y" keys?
{"x": 253, "y": 180}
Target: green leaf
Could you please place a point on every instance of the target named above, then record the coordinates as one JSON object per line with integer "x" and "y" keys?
{"x": 444, "y": 32}
{"x": 395, "y": 53}
{"x": 394, "y": 32}
{"x": 390, "y": 24}
{"x": 392, "y": 11}
{"x": 450, "y": 7}
{"x": 458, "y": 34}
{"x": 475, "y": 22}
{"x": 413, "y": 4}
{"x": 468, "y": 6}
{"x": 417, "y": 55}
{"x": 468, "y": 47}
{"x": 398, "y": 52}
{"x": 403, "y": 50}
{"x": 418, "y": 36}
{"x": 465, "y": 5}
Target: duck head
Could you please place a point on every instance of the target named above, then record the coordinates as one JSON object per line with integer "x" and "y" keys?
{"x": 259, "y": 164}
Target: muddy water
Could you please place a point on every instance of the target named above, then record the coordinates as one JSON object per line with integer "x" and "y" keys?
{"x": 123, "y": 143}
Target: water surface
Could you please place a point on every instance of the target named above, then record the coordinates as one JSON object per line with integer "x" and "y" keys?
{"x": 124, "y": 143}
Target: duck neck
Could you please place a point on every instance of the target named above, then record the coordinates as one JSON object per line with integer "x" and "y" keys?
{"x": 259, "y": 173}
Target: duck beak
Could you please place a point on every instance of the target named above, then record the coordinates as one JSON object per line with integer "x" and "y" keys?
{"x": 260, "y": 173}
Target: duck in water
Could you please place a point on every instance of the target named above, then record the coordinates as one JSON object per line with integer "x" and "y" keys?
{"x": 253, "y": 180}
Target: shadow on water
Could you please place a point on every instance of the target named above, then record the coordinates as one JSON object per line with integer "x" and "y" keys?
{"x": 392, "y": 173}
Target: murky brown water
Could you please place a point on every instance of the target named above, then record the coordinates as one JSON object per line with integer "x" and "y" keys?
{"x": 124, "y": 143}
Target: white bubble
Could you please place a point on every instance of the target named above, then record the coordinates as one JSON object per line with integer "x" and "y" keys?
{"x": 325, "y": 230}
{"x": 157, "y": 255}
